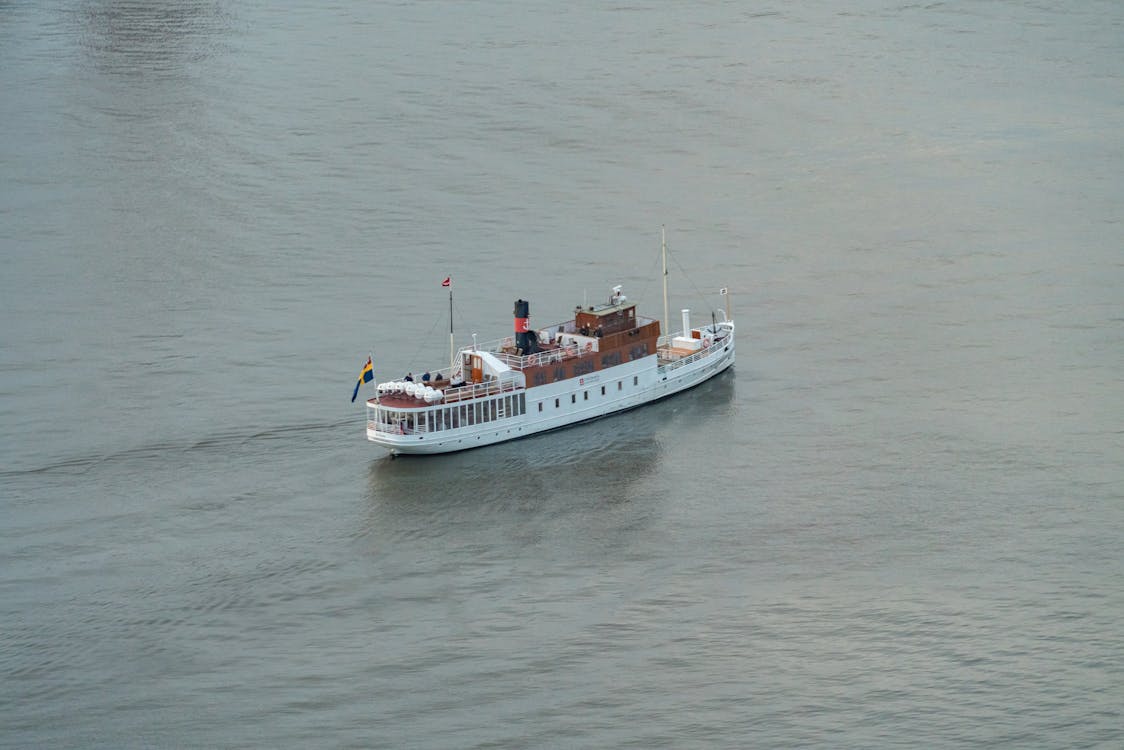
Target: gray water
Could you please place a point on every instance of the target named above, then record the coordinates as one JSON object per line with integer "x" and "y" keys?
{"x": 897, "y": 522}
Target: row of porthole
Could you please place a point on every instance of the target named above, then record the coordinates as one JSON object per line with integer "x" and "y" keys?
{"x": 585, "y": 394}
{"x": 480, "y": 436}
{"x": 573, "y": 400}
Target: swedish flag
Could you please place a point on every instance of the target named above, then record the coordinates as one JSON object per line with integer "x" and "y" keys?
{"x": 366, "y": 376}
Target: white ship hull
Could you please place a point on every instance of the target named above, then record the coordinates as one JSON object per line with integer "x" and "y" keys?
{"x": 510, "y": 411}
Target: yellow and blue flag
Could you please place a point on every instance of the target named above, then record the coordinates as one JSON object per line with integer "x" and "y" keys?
{"x": 366, "y": 376}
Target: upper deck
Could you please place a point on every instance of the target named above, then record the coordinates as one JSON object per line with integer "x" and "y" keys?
{"x": 598, "y": 337}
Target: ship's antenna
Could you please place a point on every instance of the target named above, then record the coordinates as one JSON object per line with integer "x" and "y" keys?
{"x": 663, "y": 243}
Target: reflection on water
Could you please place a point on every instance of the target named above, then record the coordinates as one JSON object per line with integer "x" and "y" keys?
{"x": 134, "y": 37}
{"x": 602, "y": 460}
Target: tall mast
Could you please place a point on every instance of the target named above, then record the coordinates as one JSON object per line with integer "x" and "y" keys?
{"x": 452, "y": 352}
{"x": 663, "y": 243}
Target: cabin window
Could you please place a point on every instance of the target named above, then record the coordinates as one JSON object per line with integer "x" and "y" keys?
{"x": 573, "y": 398}
{"x": 602, "y": 390}
{"x": 555, "y": 403}
{"x": 620, "y": 385}
{"x": 585, "y": 395}
{"x": 635, "y": 380}
{"x": 521, "y": 406}
{"x": 540, "y": 406}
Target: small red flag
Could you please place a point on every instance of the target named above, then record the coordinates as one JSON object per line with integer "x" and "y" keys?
{"x": 448, "y": 281}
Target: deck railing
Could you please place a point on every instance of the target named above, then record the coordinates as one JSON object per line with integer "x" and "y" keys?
{"x": 520, "y": 362}
{"x": 669, "y": 359}
{"x": 477, "y": 390}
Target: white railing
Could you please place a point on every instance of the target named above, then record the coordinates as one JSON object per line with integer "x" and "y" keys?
{"x": 675, "y": 364}
{"x": 664, "y": 342}
{"x": 518, "y": 362}
{"x": 476, "y": 390}
{"x": 497, "y": 346}
{"x": 671, "y": 361}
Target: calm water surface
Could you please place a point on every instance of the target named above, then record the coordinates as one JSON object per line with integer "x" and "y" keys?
{"x": 897, "y": 523}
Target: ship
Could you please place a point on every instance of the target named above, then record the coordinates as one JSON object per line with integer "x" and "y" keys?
{"x": 604, "y": 360}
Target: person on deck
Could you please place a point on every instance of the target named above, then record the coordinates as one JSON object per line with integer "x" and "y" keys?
{"x": 409, "y": 377}
{"x": 425, "y": 377}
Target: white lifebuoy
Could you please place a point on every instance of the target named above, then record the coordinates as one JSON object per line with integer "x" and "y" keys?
{"x": 589, "y": 347}
{"x": 706, "y": 342}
